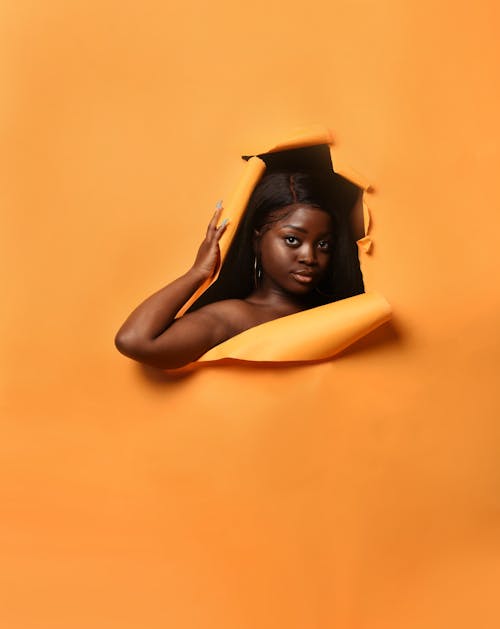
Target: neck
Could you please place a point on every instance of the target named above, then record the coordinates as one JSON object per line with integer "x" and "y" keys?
{"x": 272, "y": 297}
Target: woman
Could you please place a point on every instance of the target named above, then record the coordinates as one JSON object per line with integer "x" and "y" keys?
{"x": 292, "y": 251}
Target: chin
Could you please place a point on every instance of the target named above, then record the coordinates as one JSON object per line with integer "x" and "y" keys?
{"x": 301, "y": 291}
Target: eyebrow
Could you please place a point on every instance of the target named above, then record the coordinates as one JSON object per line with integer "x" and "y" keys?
{"x": 299, "y": 229}
{"x": 304, "y": 231}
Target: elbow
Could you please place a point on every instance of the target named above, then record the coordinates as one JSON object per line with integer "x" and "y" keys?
{"x": 126, "y": 345}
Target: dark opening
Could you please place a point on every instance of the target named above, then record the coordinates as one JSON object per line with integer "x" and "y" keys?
{"x": 316, "y": 160}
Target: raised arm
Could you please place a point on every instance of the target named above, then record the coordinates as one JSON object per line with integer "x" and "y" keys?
{"x": 151, "y": 334}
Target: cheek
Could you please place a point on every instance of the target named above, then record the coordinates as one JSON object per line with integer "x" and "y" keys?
{"x": 276, "y": 259}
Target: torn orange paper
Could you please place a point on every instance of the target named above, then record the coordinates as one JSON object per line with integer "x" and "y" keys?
{"x": 313, "y": 334}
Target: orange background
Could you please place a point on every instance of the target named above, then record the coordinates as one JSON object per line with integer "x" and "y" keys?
{"x": 361, "y": 493}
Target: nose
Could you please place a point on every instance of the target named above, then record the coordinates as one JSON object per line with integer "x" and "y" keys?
{"x": 308, "y": 254}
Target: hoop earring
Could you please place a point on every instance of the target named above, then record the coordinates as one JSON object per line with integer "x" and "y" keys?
{"x": 257, "y": 272}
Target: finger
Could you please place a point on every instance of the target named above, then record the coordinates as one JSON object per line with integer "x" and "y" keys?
{"x": 212, "y": 226}
{"x": 213, "y": 223}
{"x": 222, "y": 228}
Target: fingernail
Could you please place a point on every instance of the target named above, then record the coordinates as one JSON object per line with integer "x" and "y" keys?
{"x": 218, "y": 205}
{"x": 224, "y": 222}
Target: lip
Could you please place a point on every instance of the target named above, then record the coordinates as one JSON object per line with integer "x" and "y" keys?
{"x": 303, "y": 277}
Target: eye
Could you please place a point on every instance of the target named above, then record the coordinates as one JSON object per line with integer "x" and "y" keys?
{"x": 291, "y": 240}
{"x": 324, "y": 245}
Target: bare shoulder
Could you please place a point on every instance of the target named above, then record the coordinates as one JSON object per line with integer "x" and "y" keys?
{"x": 233, "y": 315}
{"x": 194, "y": 333}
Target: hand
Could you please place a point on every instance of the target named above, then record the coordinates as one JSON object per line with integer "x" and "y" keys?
{"x": 208, "y": 257}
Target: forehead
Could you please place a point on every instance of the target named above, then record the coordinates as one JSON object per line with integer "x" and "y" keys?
{"x": 305, "y": 216}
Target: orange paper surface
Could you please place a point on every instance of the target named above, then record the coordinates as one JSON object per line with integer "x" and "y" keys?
{"x": 353, "y": 492}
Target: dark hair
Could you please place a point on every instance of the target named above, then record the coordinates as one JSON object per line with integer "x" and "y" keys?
{"x": 277, "y": 190}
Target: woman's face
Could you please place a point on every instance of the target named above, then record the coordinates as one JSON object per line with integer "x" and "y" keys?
{"x": 294, "y": 252}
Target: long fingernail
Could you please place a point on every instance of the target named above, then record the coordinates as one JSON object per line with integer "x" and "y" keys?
{"x": 224, "y": 222}
{"x": 218, "y": 205}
